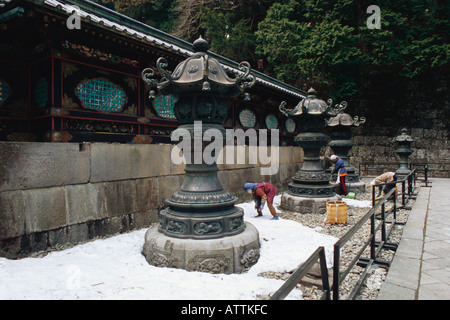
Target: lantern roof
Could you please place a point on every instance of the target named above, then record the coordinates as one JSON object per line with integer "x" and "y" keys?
{"x": 404, "y": 136}
{"x": 199, "y": 73}
{"x": 311, "y": 105}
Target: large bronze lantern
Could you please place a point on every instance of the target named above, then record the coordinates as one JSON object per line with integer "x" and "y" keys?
{"x": 201, "y": 229}
{"x": 404, "y": 143}
{"x": 341, "y": 125}
{"x": 310, "y": 188}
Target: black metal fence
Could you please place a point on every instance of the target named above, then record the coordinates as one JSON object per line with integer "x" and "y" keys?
{"x": 383, "y": 229}
{"x": 301, "y": 271}
{"x": 425, "y": 169}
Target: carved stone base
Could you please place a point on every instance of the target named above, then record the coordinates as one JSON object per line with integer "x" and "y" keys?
{"x": 306, "y": 204}
{"x": 356, "y": 187}
{"x": 232, "y": 254}
{"x": 402, "y": 173}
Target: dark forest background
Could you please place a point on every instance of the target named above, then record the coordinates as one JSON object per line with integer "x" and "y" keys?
{"x": 395, "y": 75}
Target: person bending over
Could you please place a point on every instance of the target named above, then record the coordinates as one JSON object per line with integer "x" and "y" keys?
{"x": 384, "y": 178}
{"x": 262, "y": 193}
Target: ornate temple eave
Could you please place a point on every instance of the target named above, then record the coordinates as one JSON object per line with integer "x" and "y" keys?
{"x": 103, "y": 17}
{"x": 108, "y": 48}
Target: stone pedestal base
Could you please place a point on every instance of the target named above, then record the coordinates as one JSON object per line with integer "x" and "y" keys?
{"x": 356, "y": 187}
{"x": 402, "y": 173}
{"x": 231, "y": 254}
{"x": 305, "y": 204}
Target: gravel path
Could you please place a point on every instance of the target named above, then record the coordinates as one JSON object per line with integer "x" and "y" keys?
{"x": 376, "y": 274}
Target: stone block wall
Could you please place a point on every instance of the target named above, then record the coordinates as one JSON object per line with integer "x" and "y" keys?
{"x": 432, "y": 147}
{"x": 421, "y": 105}
{"x": 54, "y": 195}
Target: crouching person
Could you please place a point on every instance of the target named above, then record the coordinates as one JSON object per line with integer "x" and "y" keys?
{"x": 262, "y": 193}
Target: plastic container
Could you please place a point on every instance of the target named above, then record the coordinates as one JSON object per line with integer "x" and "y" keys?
{"x": 351, "y": 195}
{"x": 337, "y": 212}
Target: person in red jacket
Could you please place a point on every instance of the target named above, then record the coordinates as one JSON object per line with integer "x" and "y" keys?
{"x": 262, "y": 192}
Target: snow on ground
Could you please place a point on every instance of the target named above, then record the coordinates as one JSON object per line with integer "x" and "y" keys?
{"x": 114, "y": 268}
{"x": 357, "y": 203}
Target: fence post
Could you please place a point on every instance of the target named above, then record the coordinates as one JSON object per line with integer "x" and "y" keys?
{"x": 410, "y": 185}
{"x": 336, "y": 272}
{"x": 403, "y": 193}
{"x": 395, "y": 205}
{"x": 373, "y": 196}
{"x": 324, "y": 273}
{"x": 383, "y": 222}
{"x": 415, "y": 179}
{"x": 372, "y": 233}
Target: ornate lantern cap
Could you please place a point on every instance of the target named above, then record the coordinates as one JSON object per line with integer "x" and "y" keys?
{"x": 404, "y": 137}
{"x": 338, "y": 117}
{"x": 200, "y": 74}
{"x": 342, "y": 119}
{"x": 310, "y": 105}
{"x": 346, "y": 120}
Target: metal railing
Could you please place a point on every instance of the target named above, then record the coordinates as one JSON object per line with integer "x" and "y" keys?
{"x": 338, "y": 276}
{"x": 371, "y": 243}
{"x": 302, "y": 271}
{"x": 425, "y": 169}
{"x": 385, "y": 228}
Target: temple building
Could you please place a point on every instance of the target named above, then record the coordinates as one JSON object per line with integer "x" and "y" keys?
{"x": 70, "y": 71}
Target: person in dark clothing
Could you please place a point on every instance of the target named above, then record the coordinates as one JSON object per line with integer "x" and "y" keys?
{"x": 262, "y": 192}
{"x": 341, "y": 171}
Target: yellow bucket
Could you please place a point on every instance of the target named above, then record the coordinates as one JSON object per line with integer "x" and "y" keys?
{"x": 337, "y": 212}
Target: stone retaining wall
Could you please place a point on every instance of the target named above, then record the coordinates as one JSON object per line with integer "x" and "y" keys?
{"x": 420, "y": 105}
{"x": 374, "y": 146}
{"x": 54, "y": 195}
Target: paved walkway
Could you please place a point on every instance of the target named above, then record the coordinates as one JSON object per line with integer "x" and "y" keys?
{"x": 421, "y": 266}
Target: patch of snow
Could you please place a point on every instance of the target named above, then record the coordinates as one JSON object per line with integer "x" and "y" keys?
{"x": 114, "y": 268}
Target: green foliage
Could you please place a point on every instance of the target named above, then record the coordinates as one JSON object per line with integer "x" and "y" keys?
{"x": 327, "y": 44}
{"x": 412, "y": 39}
{"x": 156, "y": 13}
{"x": 227, "y": 35}
{"x": 277, "y": 37}
{"x": 230, "y": 27}
{"x": 309, "y": 44}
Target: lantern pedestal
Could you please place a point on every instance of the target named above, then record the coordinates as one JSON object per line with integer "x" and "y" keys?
{"x": 306, "y": 205}
{"x": 233, "y": 254}
{"x": 310, "y": 188}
